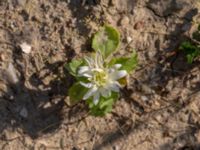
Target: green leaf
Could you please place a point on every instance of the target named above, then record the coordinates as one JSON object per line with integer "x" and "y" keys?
{"x": 190, "y": 59}
{"x": 128, "y": 63}
{"x": 107, "y": 102}
{"x": 196, "y": 35}
{"x": 104, "y": 106}
{"x": 191, "y": 51}
{"x": 76, "y": 92}
{"x": 106, "y": 40}
{"x": 73, "y": 66}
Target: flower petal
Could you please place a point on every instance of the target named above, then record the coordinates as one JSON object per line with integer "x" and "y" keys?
{"x": 105, "y": 92}
{"x": 88, "y": 75}
{"x": 111, "y": 70}
{"x": 118, "y": 74}
{"x": 87, "y": 85}
{"x": 91, "y": 92}
{"x": 97, "y": 69}
{"x": 83, "y": 69}
{"x": 117, "y": 66}
{"x": 89, "y": 61}
{"x": 96, "y": 98}
{"x": 114, "y": 86}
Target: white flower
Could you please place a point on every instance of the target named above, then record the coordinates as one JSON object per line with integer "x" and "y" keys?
{"x": 102, "y": 80}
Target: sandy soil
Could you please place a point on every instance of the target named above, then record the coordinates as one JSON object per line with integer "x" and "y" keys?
{"x": 158, "y": 110}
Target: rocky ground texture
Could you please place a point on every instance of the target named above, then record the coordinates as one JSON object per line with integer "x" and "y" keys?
{"x": 158, "y": 110}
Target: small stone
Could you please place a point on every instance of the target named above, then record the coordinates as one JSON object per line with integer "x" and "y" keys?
{"x": 151, "y": 54}
{"x": 158, "y": 118}
{"x": 67, "y": 101}
{"x": 47, "y": 80}
{"x": 157, "y": 103}
{"x": 144, "y": 98}
{"x": 170, "y": 85}
{"x": 10, "y": 74}
{"x": 129, "y": 39}
{"x": 147, "y": 90}
{"x": 47, "y": 105}
{"x": 56, "y": 58}
{"x": 3, "y": 57}
{"x": 23, "y": 113}
{"x": 26, "y": 48}
{"x": 124, "y": 21}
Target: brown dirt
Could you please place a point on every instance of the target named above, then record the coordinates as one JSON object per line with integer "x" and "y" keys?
{"x": 158, "y": 110}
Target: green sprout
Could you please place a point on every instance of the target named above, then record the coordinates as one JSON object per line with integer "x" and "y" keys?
{"x": 192, "y": 48}
{"x": 99, "y": 76}
{"x": 191, "y": 51}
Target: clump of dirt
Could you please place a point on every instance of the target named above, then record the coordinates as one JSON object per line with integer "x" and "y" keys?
{"x": 159, "y": 109}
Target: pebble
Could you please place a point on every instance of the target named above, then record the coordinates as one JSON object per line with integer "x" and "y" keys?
{"x": 3, "y": 57}
{"x": 144, "y": 98}
{"x": 25, "y": 47}
{"x": 170, "y": 85}
{"x": 129, "y": 39}
{"x": 158, "y": 118}
{"x": 23, "y": 113}
{"x": 157, "y": 103}
{"x": 47, "y": 80}
{"x": 10, "y": 74}
{"x": 146, "y": 89}
{"x": 151, "y": 54}
{"x": 124, "y": 21}
{"x": 47, "y": 105}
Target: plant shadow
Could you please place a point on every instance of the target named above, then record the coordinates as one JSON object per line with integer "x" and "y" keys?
{"x": 36, "y": 111}
{"x": 38, "y": 106}
{"x": 83, "y": 13}
{"x": 186, "y": 141}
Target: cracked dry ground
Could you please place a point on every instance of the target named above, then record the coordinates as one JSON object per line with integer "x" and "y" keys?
{"x": 158, "y": 110}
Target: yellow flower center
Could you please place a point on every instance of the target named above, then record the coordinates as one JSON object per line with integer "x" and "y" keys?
{"x": 100, "y": 77}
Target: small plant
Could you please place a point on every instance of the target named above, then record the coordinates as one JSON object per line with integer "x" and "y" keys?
{"x": 192, "y": 51}
{"x": 99, "y": 75}
{"x": 192, "y": 48}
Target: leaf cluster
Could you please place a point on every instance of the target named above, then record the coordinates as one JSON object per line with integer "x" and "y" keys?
{"x": 106, "y": 40}
{"x": 192, "y": 48}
